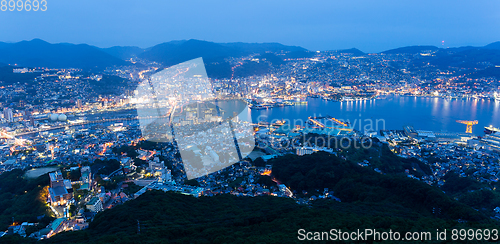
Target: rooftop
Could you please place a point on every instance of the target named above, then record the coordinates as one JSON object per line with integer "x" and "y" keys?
{"x": 56, "y": 223}
{"x": 93, "y": 201}
{"x": 55, "y": 176}
{"x": 59, "y": 191}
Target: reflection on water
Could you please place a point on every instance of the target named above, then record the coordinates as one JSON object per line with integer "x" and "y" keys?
{"x": 424, "y": 113}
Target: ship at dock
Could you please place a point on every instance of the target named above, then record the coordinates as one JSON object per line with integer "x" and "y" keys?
{"x": 490, "y": 129}
{"x": 259, "y": 106}
{"x": 276, "y": 103}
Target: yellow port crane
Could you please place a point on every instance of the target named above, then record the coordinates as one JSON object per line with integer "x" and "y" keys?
{"x": 469, "y": 124}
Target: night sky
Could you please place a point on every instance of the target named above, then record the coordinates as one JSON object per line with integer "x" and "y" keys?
{"x": 371, "y": 26}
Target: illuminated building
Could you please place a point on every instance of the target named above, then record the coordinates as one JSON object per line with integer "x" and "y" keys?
{"x": 8, "y": 114}
{"x": 94, "y": 205}
{"x": 58, "y": 190}
{"x": 86, "y": 178}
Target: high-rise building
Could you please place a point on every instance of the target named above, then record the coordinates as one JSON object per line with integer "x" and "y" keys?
{"x": 198, "y": 111}
{"x": 167, "y": 177}
{"x": 86, "y": 178}
{"x": 94, "y": 205}
{"x": 58, "y": 191}
{"x": 79, "y": 103}
{"x": 8, "y": 114}
{"x": 56, "y": 179}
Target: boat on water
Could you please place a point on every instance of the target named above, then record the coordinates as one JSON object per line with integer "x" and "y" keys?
{"x": 347, "y": 99}
{"x": 496, "y": 95}
{"x": 279, "y": 122}
{"x": 258, "y": 107}
{"x": 490, "y": 129}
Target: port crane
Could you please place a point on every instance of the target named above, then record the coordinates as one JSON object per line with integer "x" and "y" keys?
{"x": 469, "y": 124}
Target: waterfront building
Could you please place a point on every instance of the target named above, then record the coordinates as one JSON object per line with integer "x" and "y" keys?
{"x": 492, "y": 141}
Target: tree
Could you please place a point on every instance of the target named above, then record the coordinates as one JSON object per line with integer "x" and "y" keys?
{"x": 192, "y": 182}
{"x": 259, "y": 162}
{"x": 72, "y": 210}
{"x": 75, "y": 175}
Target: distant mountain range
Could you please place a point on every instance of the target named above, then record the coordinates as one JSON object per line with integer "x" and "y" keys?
{"x": 420, "y": 49}
{"x": 494, "y": 45}
{"x": 171, "y": 53}
{"x": 353, "y": 51}
{"x": 38, "y": 53}
{"x": 124, "y": 53}
{"x": 411, "y": 49}
{"x": 462, "y": 57}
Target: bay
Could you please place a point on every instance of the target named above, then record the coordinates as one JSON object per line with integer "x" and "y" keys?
{"x": 423, "y": 113}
